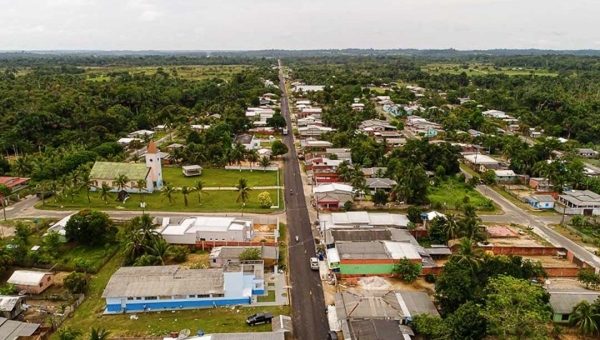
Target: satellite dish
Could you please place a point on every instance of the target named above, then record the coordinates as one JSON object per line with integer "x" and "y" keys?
{"x": 184, "y": 334}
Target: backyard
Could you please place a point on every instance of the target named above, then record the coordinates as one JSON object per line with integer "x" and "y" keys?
{"x": 220, "y": 177}
{"x": 212, "y": 201}
{"x": 453, "y": 195}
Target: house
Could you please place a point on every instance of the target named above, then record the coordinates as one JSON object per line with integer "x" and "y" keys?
{"x": 15, "y": 183}
{"x": 308, "y": 88}
{"x": 394, "y": 143}
{"x": 199, "y": 128}
{"x": 191, "y": 170}
{"x": 126, "y": 142}
{"x": 314, "y": 112}
{"x": 587, "y": 153}
{"x": 151, "y": 172}
{"x": 313, "y": 130}
{"x": 563, "y": 302}
{"x": 579, "y": 202}
{"x": 11, "y": 306}
{"x": 32, "y": 282}
{"x": 175, "y": 146}
{"x": 337, "y": 188}
{"x": 160, "y": 127}
{"x": 160, "y": 288}
{"x": 540, "y": 201}
{"x": 240, "y": 336}
{"x": 370, "y": 258}
{"x": 247, "y": 140}
{"x": 505, "y": 176}
{"x": 311, "y": 144}
{"x": 384, "y": 184}
{"x": 363, "y": 219}
{"x": 220, "y": 256}
{"x": 141, "y": 134}
{"x": 11, "y": 329}
{"x": 540, "y": 184}
{"x": 474, "y": 133}
{"x": 357, "y": 106}
{"x": 535, "y": 134}
{"x": 495, "y": 114}
{"x": 265, "y": 153}
{"x": 374, "y": 172}
{"x": 191, "y": 230}
{"x": 59, "y": 227}
{"x": 480, "y": 162}
{"x": 332, "y": 201}
{"x": 341, "y": 154}
{"x": 380, "y": 314}
{"x": 372, "y": 125}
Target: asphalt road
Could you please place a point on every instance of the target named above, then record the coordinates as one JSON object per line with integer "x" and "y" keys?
{"x": 514, "y": 214}
{"x": 308, "y": 303}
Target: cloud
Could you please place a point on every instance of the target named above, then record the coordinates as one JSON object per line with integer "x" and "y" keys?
{"x": 150, "y": 15}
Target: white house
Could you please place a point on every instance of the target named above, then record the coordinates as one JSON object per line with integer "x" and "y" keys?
{"x": 59, "y": 227}
{"x": 363, "y": 219}
{"x": 248, "y": 141}
{"x": 495, "y": 114}
{"x": 191, "y": 230}
{"x": 141, "y": 133}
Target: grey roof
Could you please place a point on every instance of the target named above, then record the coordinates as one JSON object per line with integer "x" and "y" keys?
{"x": 10, "y": 330}
{"x": 418, "y": 303}
{"x": 372, "y": 171}
{"x": 362, "y": 235}
{"x": 233, "y": 252}
{"x": 384, "y": 183}
{"x": 381, "y": 304}
{"x": 371, "y": 329}
{"x": 438, "y": 251}
{"x": 163, "y": 280}
{"x": 8, "y": 303}
{"x": 540, "y": 198}
{"x": 587, "y": 150}
{"x": 282, "y": 323}
{"x": 249, "y": 336}
{"x": 563, "y": 301}
{"x": 362, "y": 250}
{"x": 243, "y": 138}
{"x": 581, "y": 197}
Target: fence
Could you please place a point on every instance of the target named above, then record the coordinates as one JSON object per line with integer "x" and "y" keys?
{"x": 208, "y": 245}
{"x": 254, "y": 168}
{"x": 68, "y": 312}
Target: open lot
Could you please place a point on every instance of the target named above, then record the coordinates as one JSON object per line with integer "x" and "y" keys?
{"x": 453, "y": 195}
{"x": 220, "y": 177}
{"x": 212, "y": 201}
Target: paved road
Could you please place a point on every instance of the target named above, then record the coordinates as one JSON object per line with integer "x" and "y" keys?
{"x": 514, "y": 214}
{"x": 308, "y": 312}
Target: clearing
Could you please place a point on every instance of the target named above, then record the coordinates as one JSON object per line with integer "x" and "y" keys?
{"x": 220, "y": 177}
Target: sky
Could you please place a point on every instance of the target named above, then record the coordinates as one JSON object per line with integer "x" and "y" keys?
{"x": 297, "y": 24}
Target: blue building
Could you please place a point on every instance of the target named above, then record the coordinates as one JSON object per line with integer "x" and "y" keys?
{"x": 158, "y": 288}
{"x": 540, "y": 201}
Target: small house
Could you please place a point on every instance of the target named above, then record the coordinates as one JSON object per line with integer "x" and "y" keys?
{"x": 191, "y": 170}
{"x": 563, "y": 302}
{"x": 220, "y": 256}
{"x": 141, "y": 134}
{"x": 505, "y": 176}
{"x": 32, "y": 282}
{"x": 15, "y": 183}
{"x": 587, "y": 153}
{"x": 385, "y": 184}
{"x": 540, "y": 184}
{"x": 175, "y": 146}
{"x": 247, "y": 140}
{"x": 11, "y": 306}
{"x": 540, "y": 201}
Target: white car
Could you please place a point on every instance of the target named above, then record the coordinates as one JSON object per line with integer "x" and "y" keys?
{"x": 314, "y": 263}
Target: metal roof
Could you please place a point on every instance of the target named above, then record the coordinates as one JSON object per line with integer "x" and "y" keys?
{"x": 163, "y": 280}
{"x": 112, "y": 170}
{"x": 382, "y": 304}
{"x": 10, "y": 330}
{"x": 400, "y": 250}
{"x": 362, "y": 250}
{"x": 581, "y": 197}
{"x": 385, "y": 183}
{"x": 8, "y": 303}
{"x": 540, "y": 198}
{"x": 231, "y": 252}
{"x": 374, "y": 329}
{"x": 362, "y": 235}
{"x": 563, "y": 301}
{"x": 27, "y": 277}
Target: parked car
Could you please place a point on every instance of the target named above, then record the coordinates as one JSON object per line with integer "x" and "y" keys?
{"x": 314, "y": 263}
{"x": 259, "y": 318}
{"x": 332, "y": 335}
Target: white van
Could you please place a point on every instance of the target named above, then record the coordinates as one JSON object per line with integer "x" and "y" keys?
{"x": 314, "y": 263}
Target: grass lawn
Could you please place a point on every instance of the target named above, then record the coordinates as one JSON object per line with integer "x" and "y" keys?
{"x": 157, "y": 324}
{"x": 270, "y": 297}
{"x": 220, "y": 177}
{"x": 453, "y": 195}
{"x": 212, "y": 201}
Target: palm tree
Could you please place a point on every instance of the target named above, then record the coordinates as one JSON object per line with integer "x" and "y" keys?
{"x": 98, "y": 334}
{"x": 42, "y": 187}
{"x": 159, "y": 250}
{"x": 467, "y": 252}
{"x": 139, "y": 234}
{"x": 86, "y": 183}
{"x": 265, "y": 162}
{"x": 243, "y": 191}
{"x": 121, "y": 181}
{"x": 186, "y": 191}
{"x": 22, "y": 166}
{"x": 136, "y": 157}
{"x": 67, "y": 333}
{"x": 140, "y": 186}
{"x": 105, "y": 192}
{"x": 252, "y": 157}
{"x": 71, "y": 191}
{"x": 451, "y": 226}
{"x": 198, "y": 187}
{"x": 344, "y": 171}
{"x": 168, "y": 192}
{"x": 238, "y": 153}
{"x": 586, "y": 317}
{"x": 359, "y": 182}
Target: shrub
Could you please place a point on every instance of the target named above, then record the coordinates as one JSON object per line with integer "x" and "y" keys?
{"x": 406, "y": 270}
{"x": 75, "y": 282}
{"x": 180, "y": 253}
{"x": 430, "y": 278}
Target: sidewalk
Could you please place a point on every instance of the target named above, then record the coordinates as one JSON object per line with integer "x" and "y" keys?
{"x": 281, "y": 298}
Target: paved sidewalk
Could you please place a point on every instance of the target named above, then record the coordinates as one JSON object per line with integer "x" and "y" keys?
{"x": 281, "y": 298}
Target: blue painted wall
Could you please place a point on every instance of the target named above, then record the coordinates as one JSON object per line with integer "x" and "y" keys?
{"x": 159, "y": 305}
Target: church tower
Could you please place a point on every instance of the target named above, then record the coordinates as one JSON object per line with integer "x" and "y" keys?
{"x": 154, "y": 162}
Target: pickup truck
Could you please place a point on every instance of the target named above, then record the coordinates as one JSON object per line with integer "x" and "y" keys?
{"x": 259, "y": 318}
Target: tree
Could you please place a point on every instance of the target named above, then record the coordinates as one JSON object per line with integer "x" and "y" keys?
{"x": 588, "y": 278}
{"x": 407, "y": 270}
{"x": 344, "y": 171}
{"x": 264, "y": 198}
{"x": 42, "y": 188}
{"x": 489, "y": 177}
{"x": 51, "y": 243}
{"x": 249, "y": 254}
{"x": 437, "y": 230}
{"x": 265, "y": 162}
{"x": 243, "y": 191}
{"x": 198, "y": 187}
{"x": 456, "y": 285}
{"x": 380, "y": 197}
{"x": 277, "y": 121}
{"x": 158, "y": 251}
{"x": 186, "y": 191}
{"x": 180, "y": 253}
{"x": 22, "y": 232}
{"x": 467, "y": 322}
{"x": 105, "y": 192}
{"x": 5, "y": 191}
{"x": 586, "y": 317}
{"x": 516, "y": 308}
{"x": 76, "y": 283}
{"x": 279, "y": 148}
{"x": 431, "y": 327}
{"x": 414, "y": 214}
{"x": 252, "y": 157}
{"x": 86, "y": 183}
{"x": 91, "y": 228}
{"x": 169, "y": 191}
{"x": 468, "y": 253}
{"x": 67, "y": 333}
{"x": 121, "y": 181}
{"x": 98, "y": 334}
{"x": 138, "y": 234}
{"x": 141, "y": 185}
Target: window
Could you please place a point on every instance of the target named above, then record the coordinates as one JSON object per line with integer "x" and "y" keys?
{"x": 151, "y": 298}
{"x": 48, "y": 279}
{"x": 565, "y": 317}
{"x": 138, "y": 297}
{"x": 218, "y": 295}
{"x": 41, "y": 284}
{"x": 165, "y": 297}
{"x": 203, "y": 296}
{"x": 214, "y": 260}
{"x": 192, "y": 296}
{"x": 129, "y": 298}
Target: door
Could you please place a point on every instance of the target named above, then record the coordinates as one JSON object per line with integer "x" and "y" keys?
{"x": 124, "y": 304}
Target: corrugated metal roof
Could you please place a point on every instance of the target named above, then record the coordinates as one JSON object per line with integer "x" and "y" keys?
{"x": 375, "y": 329}
{"x": 362, "y": 250}
{"x": 27, "y": 277}
{"x": 10, "y": 330}
{"x": 8, "y": 303}
{"x": 111, "y": 170}
{"x": 563, "y": 301}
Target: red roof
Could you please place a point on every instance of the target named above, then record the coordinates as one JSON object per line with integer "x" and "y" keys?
{"x": 12, "y": 182}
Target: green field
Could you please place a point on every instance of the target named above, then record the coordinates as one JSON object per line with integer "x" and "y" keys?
{"x": 451, "y": 195}
{"x": 191, "y": 72}
{"x": 483, "y": 69}
{"x": 220, "y": 177}
{"x": 212, "y": 201}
